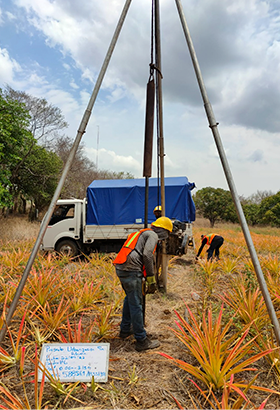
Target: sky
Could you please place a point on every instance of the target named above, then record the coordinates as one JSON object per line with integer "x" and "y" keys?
{"x": 54, "y": 49}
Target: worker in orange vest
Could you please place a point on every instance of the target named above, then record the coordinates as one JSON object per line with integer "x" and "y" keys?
{"x": 135, "y": 261}
{"x": 214, "y": 241}
{"x": 157, "y": 211}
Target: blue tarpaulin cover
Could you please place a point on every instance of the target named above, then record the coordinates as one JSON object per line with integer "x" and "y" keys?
{"x": 122, "y": 201}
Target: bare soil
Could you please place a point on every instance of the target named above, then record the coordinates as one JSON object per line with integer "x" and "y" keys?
{"x": 159, "y": 380}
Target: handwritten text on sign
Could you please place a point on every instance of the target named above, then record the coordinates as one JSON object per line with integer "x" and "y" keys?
{"x": 76, "y": 361}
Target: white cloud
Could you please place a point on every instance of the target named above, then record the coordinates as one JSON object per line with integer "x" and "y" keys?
{"x": 256, "y": 156}
{"x": 10, "y": 16}
{"x": 66, "y": 66}
{"x": 111, "y": 161}
{"x": 238, "y": 48}
{"x": 74, "y": 85}
{"x": 9, "y": 67}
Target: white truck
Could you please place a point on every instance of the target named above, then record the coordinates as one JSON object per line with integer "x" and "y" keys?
{"x": 115, "y": 208}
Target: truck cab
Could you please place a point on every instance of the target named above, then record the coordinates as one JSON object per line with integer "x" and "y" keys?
{"x": 63, "y": 233}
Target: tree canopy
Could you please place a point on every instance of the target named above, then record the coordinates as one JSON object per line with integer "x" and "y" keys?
{"x": 83, "y": 171}
{"x": 33, "y": 153}
{"x": 39, "y": 176}
{"x": 27, "y": 170}
{"x": 215, "y": 204}
{"x": 15, "y": 140}
{"x": 269, "y": 212}
{"x": 45, "y": 120}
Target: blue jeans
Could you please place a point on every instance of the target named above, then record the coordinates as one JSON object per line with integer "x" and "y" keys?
{"x": 132, "y": 314}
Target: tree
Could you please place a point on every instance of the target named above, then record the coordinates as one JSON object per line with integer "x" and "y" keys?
{"x": 32, "y": 153}
{"x": 269, "y": 212}
{"x": 251, "y": 207}
{"x": 83, "y": 171}
{"x": 39, "y": 176}
{"x": 45, "y": 119}
{"x": 15, "y": 140}
{"x": 215, "y": 204}
{"x": 259, "y": 196}
{"x": 105, "y": 174}
{"x": 251, "y": 212}
{"x": 25, "y": 121}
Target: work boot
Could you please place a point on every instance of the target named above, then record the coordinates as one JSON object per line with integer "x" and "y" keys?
{"x": 124, "y": 335}
{"x": 146, "y": 344}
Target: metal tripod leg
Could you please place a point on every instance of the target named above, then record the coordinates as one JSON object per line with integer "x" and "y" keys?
{"x": 75, "y": 146}
{"x": 214, "y": 127}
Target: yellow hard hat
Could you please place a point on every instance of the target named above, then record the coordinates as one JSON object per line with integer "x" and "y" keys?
{"x": 163, "y": 222}
{"x": 157, "y": 208}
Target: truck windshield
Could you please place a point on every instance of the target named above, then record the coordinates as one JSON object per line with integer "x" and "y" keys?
{"x": 62, "y": 212}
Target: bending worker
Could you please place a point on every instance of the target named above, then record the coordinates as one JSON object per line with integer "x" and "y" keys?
{"x": 215, "y": 242}
{"x": 135, "y": 260}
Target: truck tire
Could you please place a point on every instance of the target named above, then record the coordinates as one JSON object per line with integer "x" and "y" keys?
{"x": 67, "y": 247}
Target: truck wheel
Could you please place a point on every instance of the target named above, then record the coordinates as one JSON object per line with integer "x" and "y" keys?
{"x": 68, "y": 248}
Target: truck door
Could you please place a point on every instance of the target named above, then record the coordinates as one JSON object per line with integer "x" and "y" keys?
{"x": 61, "y": 213}
{"x": 64, "y": 223}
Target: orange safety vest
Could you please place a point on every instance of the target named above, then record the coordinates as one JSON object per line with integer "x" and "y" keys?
{"x": 128, "y": 246}
{"x": 209, "y": 238}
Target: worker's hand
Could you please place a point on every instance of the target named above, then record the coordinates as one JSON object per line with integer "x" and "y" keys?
{"x": 151, "y": 284}
{"x": 151, "y": 288}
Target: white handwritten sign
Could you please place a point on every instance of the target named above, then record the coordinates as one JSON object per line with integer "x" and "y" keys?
{"x": 72, "y": 362}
